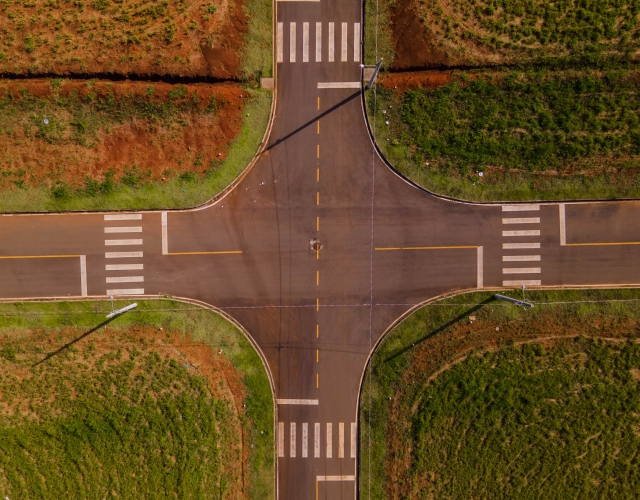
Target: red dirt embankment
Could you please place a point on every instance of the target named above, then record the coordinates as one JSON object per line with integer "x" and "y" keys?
{"x": 430, "y": 79}
{"x": 195, "y": 141}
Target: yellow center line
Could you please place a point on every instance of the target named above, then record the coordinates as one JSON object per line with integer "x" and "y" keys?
{"x": 318, "y": 224}
{"x": 227, "y": 252}
{"x": 318, "y": 127}
{"x": 317, "y": 329}
{"x": 317, "y": 481}
{"x": 316, "y": 355}
{"x": 317, "y": 309}
{"x": 425, "y": 248}
{"x": 318, "y": 151}
{"x": 317, "y": 278}
{"x": 602, "y": 244}
{"x": 317, "y": 197}
{"x": 317, "y": 253}
{"x": 317, "y": 377}
{"x": 67, "y": 256}
{"x": 317, "y": 174}
{"x": 318, "y": 102}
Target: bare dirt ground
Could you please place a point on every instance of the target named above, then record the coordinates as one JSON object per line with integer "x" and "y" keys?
{"x": 193, "y": 140}
{"x": 183, "y": 38}
{"x": 429, "y": 79}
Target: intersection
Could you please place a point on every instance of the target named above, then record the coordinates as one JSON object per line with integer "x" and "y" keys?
{"x": 319, "y": 249}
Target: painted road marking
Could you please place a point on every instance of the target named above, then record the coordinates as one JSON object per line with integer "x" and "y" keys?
{"x": 83, "y": 275}
{"x": 122, "y": 242}
{"x": 318, "y": 151}
{"x": 123, "y": 255}
{"x": 520, "y": 258}
{"x": 329, "y": 438}
{"x": 603, "y": 244}
{"x": 563, "y": 225}
{"x": 127, "y": 291}
{"x": 331, "y": 42}
{"x": 317, "y": 278}
{"x": 123, "y": 217}
{"x": 317, "y": 326}
{"x": 522, "y": 220}
{"x": 297, "y": 0}
{"x": 292, "y": 440}
{"x": 515, "y": 246}
{"x": 318, "y": 44}
{"x": 123, "y": 267}
{"x": 424, "y": 248}
{"x": 317, "y": 380}
{"x": 281, "y": 439}
{"x": 522, "y": 282}
{"x": 480, "y": 267}
{"x": 520, "y": 208}
{"x": 317, "y": 356}
{"x": 305, "y": 42}
{"x": 343, "y": 55}
{"x": 335, "y": 478}
{"x": 356, "y": 42}
{"x": 297, "y": 401}
{"x": 341, "y": 440}
{"x": 339, "y": 85}
{"x": 354, "y": 440}
{"x": 126, "y": 229}
{"x": 521, "y": 270}
{"x": 305, "y": 439}
{"x": 317, "y": 197}
{"x": 280, "y": 42}
{"x": 316, "y": 440}
{"x": 222, "y": 252}
{"x": 318, "y": 224}
{"x": 125, "y": 279}
{"x": 292, "y": 42}
{"x": 531, "y": 232}
{"x": 40, "y": 256}
{"x": 165, "y": 236}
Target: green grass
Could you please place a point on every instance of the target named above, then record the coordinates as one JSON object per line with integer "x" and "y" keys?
{"x": 481, "y": 31}
{"x": 488, "y": 427}
{"x": 174, "y": 193}
{"x": 257, "y": 60}
{"x": 130, "y": 430}
{"x": 533, "y": 135}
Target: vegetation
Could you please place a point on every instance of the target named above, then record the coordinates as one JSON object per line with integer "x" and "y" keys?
{"x": 498, "y": 31}
{"x": 469, "y": 398}
{"x": 148, "y": 405}
{"x": 148, "y": 146}
{"x": 126, "y": 36}
{"x": 518, "y": 135}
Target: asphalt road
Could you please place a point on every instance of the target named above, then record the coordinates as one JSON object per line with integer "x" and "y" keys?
{"x": 316, "y": 310}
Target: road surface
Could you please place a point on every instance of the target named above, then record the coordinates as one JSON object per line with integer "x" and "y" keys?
{"x": 319, "y": 249}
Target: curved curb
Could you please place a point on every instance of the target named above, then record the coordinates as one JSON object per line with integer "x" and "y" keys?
{"x": 204, "y": 306}
{"x": 395, "y": 323}
{"x": 444, "y": 197}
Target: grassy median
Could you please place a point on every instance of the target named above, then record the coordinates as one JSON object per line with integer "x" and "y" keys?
{"x": 166, "y": 401}
{"x": 473, "y": 398}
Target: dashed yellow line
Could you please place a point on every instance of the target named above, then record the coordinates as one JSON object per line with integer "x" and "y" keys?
{"x": 318, "y": 102}
{"x": 604, "y": 244}
{"x": 318, "y": 224}
{"x": 317, "y": 309}
{"x": 317, "y": 380}
{"x": 318, "y": 174}
{"x": 65, "y": 256}
{"x": 425, "y": 248}
{"x": 228, "y": 252}
{"x": 318, "y": 127}
{"x": 317, "y": 356}
{"x": 317, "y": 197}
{"x": 318, "y": 151}
{"x": 317, "y": 330}
{"x": 317, "y": 278}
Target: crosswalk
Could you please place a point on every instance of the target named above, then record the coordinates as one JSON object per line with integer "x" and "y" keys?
{"x": 522, "y": 261}
{"x": 294, "y": 440}
{"x": 349, "y": 37}
{"x": 121, "y": 235}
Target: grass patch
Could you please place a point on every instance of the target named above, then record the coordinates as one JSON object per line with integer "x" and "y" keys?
{"x": 534, "y": 403}
{"x": 257, "y": 54}
{"x": 86, "y": 124}
{"x": 517, "y": 135}
{"x": 120, "y": 414}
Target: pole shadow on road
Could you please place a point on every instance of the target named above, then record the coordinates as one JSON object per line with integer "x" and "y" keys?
{"x": 311, "y": 122}
{"x": 442, "y": 328}
{"x": 69, "y": 344}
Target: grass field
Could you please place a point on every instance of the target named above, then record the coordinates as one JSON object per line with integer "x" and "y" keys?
{"x": 124, "y": 145}
{"x": 490, "y": 135}
{"x": 149, "y": 37}
{"x": 512, "y": 403}
{"x": 169, "y": 401}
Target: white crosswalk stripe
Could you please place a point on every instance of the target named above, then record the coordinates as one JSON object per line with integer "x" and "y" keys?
{"x": 513, "y": 256}
{"x": 298, "y": 443}
{"x": 123, "y": 255}
{"x": 349, "y": 33}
